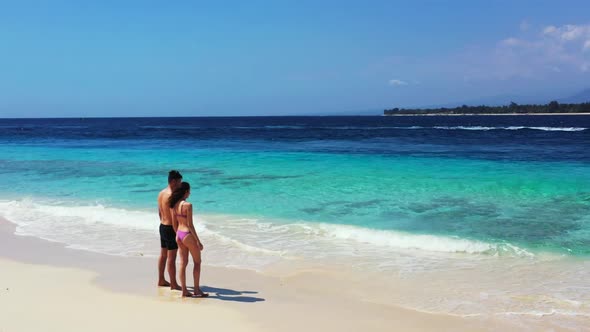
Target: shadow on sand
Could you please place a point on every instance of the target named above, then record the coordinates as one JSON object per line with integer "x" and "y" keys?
{"x": 225, "y": 294}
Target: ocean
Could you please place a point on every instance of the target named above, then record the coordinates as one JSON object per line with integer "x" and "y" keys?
{"x": 492, "y": 198}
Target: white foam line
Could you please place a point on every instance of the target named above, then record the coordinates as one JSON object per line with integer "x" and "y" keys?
{"x": 474, "y": 128}
{"x": 482, "y": 128}
{"x": 552, "y": 312}
{"x": 31, "y": 215}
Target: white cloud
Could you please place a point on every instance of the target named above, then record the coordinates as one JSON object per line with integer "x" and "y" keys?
{"x": 396, "y": 82}
{"x": 568, "y": 32}
{"x": 549, "y": 30}
{"x": 511, "y": 41}
{"x": 573, "y": 32}
{"x": 540, "y": 56}
{"x": 560, "y": 47}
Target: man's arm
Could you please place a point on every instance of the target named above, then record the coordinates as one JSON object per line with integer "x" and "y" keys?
{"x": 159, "y": 208}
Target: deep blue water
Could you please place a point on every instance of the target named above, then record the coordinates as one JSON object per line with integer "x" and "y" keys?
{"x": 440, "y": 136}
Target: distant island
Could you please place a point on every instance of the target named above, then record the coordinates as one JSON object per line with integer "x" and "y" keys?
{"x": 513, "y": 109}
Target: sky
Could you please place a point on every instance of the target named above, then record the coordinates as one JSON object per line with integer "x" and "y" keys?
{"x": 222, "y": 58}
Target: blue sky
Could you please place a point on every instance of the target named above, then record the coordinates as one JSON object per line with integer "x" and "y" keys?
{"x": 190, "y": 58}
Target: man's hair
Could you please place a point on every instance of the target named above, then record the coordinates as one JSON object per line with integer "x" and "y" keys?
{"x": 174, "y": 175}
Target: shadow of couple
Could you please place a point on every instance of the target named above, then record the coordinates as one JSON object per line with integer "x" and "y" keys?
{"x": 225, "y": 294}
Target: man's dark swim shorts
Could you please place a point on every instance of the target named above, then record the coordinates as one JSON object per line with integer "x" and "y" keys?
{"x": 168, "y": 237}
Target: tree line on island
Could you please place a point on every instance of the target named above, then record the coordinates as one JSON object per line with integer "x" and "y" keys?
{"x": 513, "y": 108}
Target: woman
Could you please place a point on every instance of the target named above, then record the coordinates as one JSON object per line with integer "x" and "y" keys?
{"x": 186, "y": 237}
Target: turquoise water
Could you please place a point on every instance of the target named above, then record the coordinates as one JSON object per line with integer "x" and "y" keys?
{"x": 506, "y": 181}
{"x": 534, "y": 205}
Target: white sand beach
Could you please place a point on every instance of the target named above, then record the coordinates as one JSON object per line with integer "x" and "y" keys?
{"x": 44, "y": 286}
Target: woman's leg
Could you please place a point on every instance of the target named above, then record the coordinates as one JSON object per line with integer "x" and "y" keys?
{"x": 191, "y": 242}
{"x": 183, "y": 263}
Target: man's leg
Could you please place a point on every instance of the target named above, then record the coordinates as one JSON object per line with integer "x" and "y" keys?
{"x": 172, "y": 269}
{"x": 161, "y": 266}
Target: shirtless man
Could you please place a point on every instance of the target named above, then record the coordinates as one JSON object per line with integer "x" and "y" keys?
{"x": 168, "y": 233}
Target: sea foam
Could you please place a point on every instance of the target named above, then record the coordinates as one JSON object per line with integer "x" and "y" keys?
{"x": 262, "y": 245}
{"x": 361, "y": 128}
{"x": 474, "y": 128}
{"x": 483, "y": 128}
{"x": 93, "y": 226}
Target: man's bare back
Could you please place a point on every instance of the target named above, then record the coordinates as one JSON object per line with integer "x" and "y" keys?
{"x": 165, "y": 214}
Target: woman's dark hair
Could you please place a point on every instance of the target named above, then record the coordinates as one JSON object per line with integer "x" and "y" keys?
{"x": 178, "y": 194}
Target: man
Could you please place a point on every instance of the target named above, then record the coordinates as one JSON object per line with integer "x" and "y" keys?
{"x": 168, "y": 233}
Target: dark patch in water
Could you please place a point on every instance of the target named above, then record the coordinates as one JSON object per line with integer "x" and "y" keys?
{"x": 530, "y": 228}
{"x": 262, "y": 177}
{"x": 450, "y": 201}
{"x": 541, "y": 224}
{"x": 580, "y": 198}
{"x": 237, "y": 185}
{"x": 420, "y": 207}
{"x": 343, "y": 212}
{"x": 455, "y": 208}
{"x": 206, "y": 171}
{"x": 138, "y": 185}
{"x": 312, "y": 210}
{"x": 342, "y": 208}
{"x": 336, "y": 203}
{"x": 145, "y": 191}
{"x": 362, "y": 204}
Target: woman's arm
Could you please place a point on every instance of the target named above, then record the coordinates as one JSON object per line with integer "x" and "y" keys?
{"x": 189, "y": 218}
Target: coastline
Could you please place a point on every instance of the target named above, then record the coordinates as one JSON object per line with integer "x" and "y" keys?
{"x": 82, "y": 283}
{"x": 485, "y": 114}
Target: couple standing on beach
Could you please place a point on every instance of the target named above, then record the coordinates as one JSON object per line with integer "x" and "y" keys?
{"x": 178, "y": 231}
